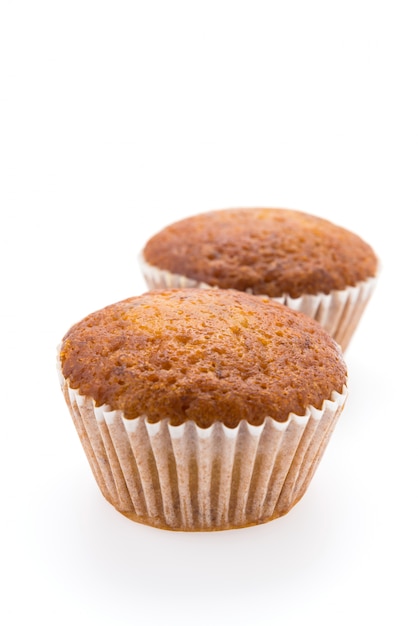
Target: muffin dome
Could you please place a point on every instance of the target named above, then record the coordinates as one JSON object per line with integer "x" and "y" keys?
{"x": 273, "y": 252}
{"x": 202, "y": 355}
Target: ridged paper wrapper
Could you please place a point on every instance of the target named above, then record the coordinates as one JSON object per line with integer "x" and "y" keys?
{"x": 194, "y": 479}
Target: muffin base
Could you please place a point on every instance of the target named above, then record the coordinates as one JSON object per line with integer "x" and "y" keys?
{"x": 339, "y": 311}
{"x": 187, "y": 478}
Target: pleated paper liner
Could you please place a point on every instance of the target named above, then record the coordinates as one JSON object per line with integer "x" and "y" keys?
{"x": 193, "y": 479}
{"x": 339, "y": 312}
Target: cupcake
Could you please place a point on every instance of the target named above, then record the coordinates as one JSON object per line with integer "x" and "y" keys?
{"x": 300, "y": 260}
{"x": 202, "y": 409}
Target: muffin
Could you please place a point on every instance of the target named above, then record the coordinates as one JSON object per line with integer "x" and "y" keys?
{"x": 202, "y": 409}
{"x": 300, "y": 260}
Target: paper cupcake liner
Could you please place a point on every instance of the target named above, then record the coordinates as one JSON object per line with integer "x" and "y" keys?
{"x": 339, "y": 312}
{"x": 189, "y": 478}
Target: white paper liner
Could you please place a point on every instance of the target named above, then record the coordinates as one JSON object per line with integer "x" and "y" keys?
{"x": 189, "y": 478}
{"x": 339, "y": 312}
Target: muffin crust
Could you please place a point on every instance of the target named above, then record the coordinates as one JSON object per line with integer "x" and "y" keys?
{"x": 202, "y": 355}
{"x": 272, "y": 252}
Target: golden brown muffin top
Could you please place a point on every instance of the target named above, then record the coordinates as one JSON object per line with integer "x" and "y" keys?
{"x": 265, "y": 251}
{"x": 203, "y": 355}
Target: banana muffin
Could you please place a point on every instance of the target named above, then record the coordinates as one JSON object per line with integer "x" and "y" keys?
{"x": 303, "y": 261}
{"x": 202, "y": 409}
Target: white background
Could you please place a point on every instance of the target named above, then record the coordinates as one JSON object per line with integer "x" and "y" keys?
{"x": 117, "y": 118}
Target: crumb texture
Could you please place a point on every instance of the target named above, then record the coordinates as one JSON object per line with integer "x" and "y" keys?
{"x": 266, "y": 251}
{"x": 202, "y": 355}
